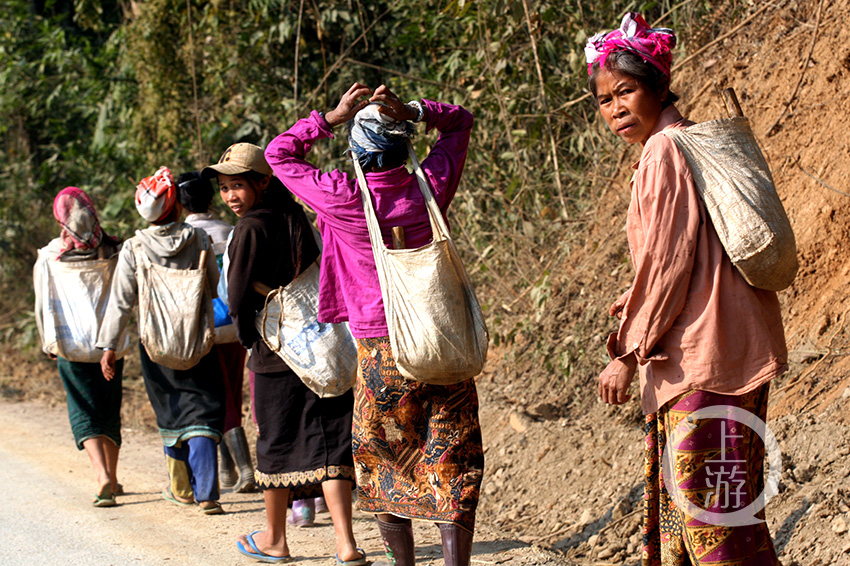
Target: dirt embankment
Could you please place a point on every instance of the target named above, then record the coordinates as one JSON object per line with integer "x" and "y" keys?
{"x": 564, "y": 471}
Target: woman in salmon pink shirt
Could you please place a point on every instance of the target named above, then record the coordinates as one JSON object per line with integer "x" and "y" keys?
{"x": 700, "y": 334}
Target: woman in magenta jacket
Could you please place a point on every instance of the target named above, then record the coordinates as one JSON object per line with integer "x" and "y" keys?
{"x": 417, "y": 447}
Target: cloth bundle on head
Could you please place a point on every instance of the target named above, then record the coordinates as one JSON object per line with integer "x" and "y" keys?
{"x": 156, "y": 195}
{"x": 653, "y": 45}
{"x": 373, "y": 133}
{"x": 81, "y": 230}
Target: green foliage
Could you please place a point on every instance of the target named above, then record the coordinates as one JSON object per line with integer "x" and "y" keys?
{"x": 95, "y": 96}
{"x": 61, "y": 106}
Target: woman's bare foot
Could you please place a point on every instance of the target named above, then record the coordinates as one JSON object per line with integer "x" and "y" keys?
{"x": 265, "y": 544}
{"x": 104, "y": 497}
{"x": 348, "y": 554}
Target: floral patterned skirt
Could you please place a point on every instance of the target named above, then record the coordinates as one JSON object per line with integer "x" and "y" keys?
{"x": 417, "y": 447}
{"x": 719, "y": 468}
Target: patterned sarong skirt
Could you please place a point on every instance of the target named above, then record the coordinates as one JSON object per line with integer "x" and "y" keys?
{"x": 719, "y": 467}
{"x": 417, "y": 447}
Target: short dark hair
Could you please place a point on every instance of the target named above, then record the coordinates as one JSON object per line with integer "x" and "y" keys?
{"x": 394, "y": 157}
{"x": 633, "y": 65}
{"x": 195, "y": 192}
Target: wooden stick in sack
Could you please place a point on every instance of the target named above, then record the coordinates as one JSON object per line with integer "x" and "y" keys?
{"x": 202, "y": 263}
{"x": 261, "y": 288}
{"x": 398, "y": 237}
{"x": 732, "y": 105}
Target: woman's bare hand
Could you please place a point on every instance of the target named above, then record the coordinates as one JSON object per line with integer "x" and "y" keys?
{"x": 618, "y": 306}
{"x": 615, "y": 380}
{"x": 107, "y": 364}
{"x": 350, "y": 104}
{"x": 394, "y": 107}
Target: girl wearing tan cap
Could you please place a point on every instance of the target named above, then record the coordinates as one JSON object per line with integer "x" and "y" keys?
{"x": 304, "y": 442}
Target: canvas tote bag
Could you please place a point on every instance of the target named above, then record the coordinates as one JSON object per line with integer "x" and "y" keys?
{"x": 323, "y": 355}
{"x": 176, "y": 320}
{"x": 75, "y": 294}
{"x": 732, "y": 176}
{"x": 437, "y": 330}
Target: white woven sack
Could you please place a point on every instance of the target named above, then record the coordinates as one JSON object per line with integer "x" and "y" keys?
{"x": 734, "y": 180}
{"x": 437, "y": 331}
{"x": 176, "y": 323}
{"x": 75, "y": 294}
{"x": 323, "y": 355}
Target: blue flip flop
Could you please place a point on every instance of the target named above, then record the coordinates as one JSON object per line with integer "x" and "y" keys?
{"x": 258, "y": 554}
{"x": 356, "y": 562}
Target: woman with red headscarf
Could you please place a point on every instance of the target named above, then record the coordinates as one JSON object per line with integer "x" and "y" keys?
{"x": 703, "y": 338}
{"x": 94, "y": 404}
{"x": 188, "y": 403}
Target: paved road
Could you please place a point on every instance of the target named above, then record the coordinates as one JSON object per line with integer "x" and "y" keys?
{"x": 46, "y": 516}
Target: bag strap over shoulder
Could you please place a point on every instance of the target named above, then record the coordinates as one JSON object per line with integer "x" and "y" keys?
{"x": 439, "y": 229}
{"x": 434, "y": 213}
{"x": 139, "y": 253}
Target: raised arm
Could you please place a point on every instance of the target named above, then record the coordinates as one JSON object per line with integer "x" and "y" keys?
{"x": 444, "y": 164}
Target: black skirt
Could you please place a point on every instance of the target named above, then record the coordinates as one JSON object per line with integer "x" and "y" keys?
{"x": 188, "y": 402}
{"x": 303, "y": 439}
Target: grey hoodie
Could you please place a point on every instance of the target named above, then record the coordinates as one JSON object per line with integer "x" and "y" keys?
{"x": 176, "y": 245}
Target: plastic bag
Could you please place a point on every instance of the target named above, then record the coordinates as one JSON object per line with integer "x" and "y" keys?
{"x": 323, "y": 355}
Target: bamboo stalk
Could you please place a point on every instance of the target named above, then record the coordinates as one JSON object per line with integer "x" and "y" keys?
{"x": 194, "y": 80}
{"x": 552, "y": 144}
{"x": 341, "y": 59}
{"x": 297, "y": 47}
{"x": 403, "y": 75}
{"x": 771, "y": 130}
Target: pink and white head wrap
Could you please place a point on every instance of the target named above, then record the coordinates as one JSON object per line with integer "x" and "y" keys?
{"x": 156, "y": 195}
{"x": 654, "y": 45}
{"x": 81, "y": 230}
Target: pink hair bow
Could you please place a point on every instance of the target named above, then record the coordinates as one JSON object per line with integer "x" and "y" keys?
{"x": 654, "y": 45}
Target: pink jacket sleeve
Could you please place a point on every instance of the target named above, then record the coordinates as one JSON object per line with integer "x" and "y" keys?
{"x": 287, "y": 155}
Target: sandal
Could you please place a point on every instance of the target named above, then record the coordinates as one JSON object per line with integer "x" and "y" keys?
{"x": 354, "y": 562}
{"x": 211, "y": 507}
{"x": 168, "y": 496}
{"x": 258, "y": 554}
{"x": 104, "y": 500}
